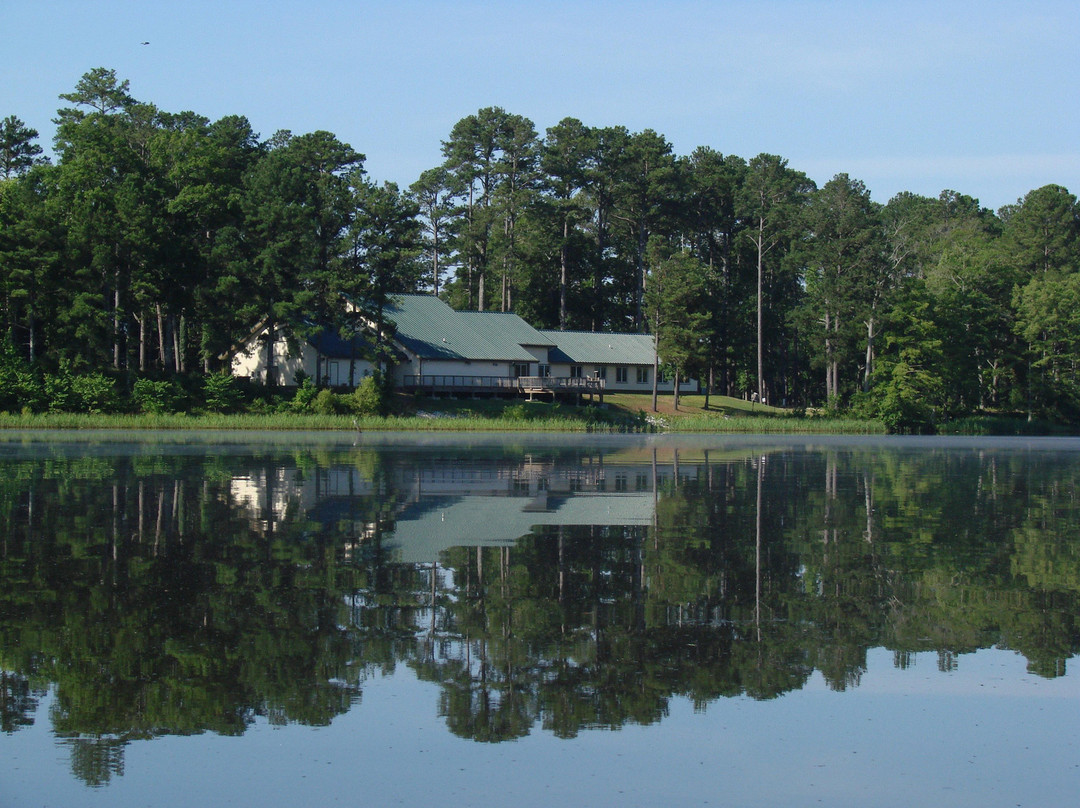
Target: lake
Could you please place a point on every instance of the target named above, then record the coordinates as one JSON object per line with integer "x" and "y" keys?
{"x": 528, "y": 620}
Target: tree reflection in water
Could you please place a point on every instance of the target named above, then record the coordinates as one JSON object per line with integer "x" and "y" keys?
{"x": 178, "y": 593}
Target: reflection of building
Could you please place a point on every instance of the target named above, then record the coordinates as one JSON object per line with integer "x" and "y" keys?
{"x": 436, "y": 523}
{"x": 426, "y": 506}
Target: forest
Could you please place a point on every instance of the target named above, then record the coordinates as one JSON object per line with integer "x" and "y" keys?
{"x": 155, "y": 241}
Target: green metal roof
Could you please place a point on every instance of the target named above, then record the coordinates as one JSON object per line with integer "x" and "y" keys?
{"x": 428, "y": 327}
{"x": 591, "y": 348}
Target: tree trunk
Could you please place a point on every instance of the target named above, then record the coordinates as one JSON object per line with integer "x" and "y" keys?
{"x": 178, "y": 343}
{"x": 116, "y": 320}
{"x": 162, "y": 342}
{"x": 562, "y": 273}
{"x": 655, "y": 372}
{"x": 869, "y": 371}
{"x": 142, "y": 343}
{"x": 270, "y": 329}
{"x": 760, "y": 303}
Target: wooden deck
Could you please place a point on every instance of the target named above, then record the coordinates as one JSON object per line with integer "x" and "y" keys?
{"x": 521, "y": 385}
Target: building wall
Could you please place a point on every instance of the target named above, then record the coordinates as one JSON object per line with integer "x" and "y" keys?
{"x": 539, "y": 354}
{"x": 631, "y": 385}
{"x": 335, "y": 371}
{"x": 250, "y": 362}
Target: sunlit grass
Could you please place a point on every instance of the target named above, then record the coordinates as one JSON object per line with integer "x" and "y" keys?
{"x": 305, "y": 422}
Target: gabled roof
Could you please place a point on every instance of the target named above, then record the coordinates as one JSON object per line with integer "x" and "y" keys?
{"x": 591, "y": 348}
{"x": 431, "y": 329}
{"x": 331, "y": 344}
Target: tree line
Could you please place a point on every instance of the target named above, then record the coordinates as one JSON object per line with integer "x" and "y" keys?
{"x": 158, "y": 240}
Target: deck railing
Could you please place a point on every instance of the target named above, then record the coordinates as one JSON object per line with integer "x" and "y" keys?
{"x": 507, "y": 384}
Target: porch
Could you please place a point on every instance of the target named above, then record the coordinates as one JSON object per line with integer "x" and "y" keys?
{"x": 503, "y": 385}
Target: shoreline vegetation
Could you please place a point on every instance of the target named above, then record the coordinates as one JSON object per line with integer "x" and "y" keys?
{"x": 136, "y": 265}
{"x": 621, "y": 413}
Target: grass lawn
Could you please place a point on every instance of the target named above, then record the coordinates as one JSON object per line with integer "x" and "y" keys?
{"x": 689, "y": 405}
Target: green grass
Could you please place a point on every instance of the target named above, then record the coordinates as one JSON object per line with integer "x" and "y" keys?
{"x": 297, "y": 422}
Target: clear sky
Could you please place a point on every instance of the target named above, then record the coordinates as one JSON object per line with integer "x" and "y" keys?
{"x": 977, "y": 97}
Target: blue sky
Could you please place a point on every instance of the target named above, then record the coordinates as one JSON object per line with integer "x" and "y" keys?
{"x": 978, "y": 97}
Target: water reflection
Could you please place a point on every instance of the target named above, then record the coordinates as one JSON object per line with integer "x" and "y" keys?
{"x": 179, "y": 590}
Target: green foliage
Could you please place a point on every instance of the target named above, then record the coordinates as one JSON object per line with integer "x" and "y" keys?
{"x": 68, "y": 391}
{"x": 94, "y": 392}
{"x": 221, "y": 393}
{"x": 903, "y": 400}
{"x": 368, "y": 398}
{"x": 305, "y": 395}
{"x": 515, "y": 412}
{"x": 20, "y": 388}
{"x": 157, "y": 396}
{"x": 326, "y": 402}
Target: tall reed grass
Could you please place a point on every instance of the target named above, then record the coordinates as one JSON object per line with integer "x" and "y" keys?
{"x": 306, "y": 422}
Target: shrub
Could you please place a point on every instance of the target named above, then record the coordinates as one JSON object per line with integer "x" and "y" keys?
{"x": 60, "y": 392}
{"x": 94, "y": 392}
{"x": 18, "y": 386}
{"x": 221, "y": 393}
{"x": 515, "y": 412}
{"x": 66, "y": 391}
{"x": 368, "y": 398}
{"x": 157, "y": 397}
{"x": 326, "y": 403}
{"x": 305, "y": 396}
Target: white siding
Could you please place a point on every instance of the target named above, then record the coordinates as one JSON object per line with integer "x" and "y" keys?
{"x": 250, "y": 362}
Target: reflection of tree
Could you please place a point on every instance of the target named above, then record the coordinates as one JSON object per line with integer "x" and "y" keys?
{"x": 155, "y": 609}
{"x": 95, "y": 760}
{"x": 18, "y": 701}
{"x": 155, "y": 601}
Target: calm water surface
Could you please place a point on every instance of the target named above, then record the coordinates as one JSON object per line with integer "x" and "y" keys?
{"x": 517, "y": 620}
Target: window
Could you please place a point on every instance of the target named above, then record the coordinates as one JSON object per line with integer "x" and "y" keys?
{"x": 544, "y": 371}
{"x": 521, "y": 370}
{"x": 575, "y": 371}
{"x": 601, "y": 372}
{"x": 620, "y": 375}
{"x": 642, "y": 375}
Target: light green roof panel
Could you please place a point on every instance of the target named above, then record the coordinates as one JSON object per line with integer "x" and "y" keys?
{"x": 430, "y": 328}
{"x": 590, "y": 348}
